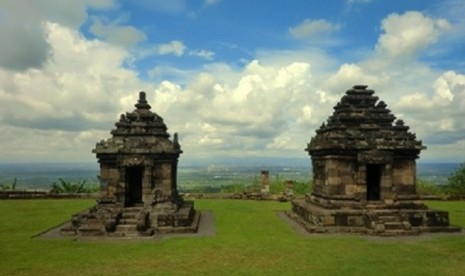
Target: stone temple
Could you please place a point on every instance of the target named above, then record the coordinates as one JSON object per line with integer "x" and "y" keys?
{"x": 138, "y": 172}
{"x": 364, "y": 174}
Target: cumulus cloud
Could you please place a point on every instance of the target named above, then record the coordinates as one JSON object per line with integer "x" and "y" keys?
{"x": 307, "y": 116}
{"x": 174, "y": 47}
{"x": 241, "y": 116}
{"x": 438, "y": 111}
{"x": 23, "y": 26}
{"x": 416, "y": 101}
{"x": 125, "y": 36}
{"x": 269, "y": 106}
{"x": 406, "y": 34}
{"x": 349, "y": 74}
{"x": 445, "y": 88}
{"x": 71, "y": 101}
{"x": 309, "y": 28}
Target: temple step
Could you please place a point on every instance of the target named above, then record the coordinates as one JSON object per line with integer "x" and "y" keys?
{"x": 390, "y": 218}
{"x": 131, "y": 212}
{"x": 128, "y": 221}
{"x": 386, "y": 222}
{"x": 91, "y": 230}
{"x": 127, "y": 226}
{"x": 394, "y": 225}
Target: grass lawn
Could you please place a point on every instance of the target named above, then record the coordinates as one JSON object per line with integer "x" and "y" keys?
{"x": 250, "y": 240}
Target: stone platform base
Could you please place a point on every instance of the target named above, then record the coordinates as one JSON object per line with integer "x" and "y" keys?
{"x": 191, "y": 228}
{"x": 206, "y": 228}
{"x": 138, "y": 221}
{"x": 372, "y": 220}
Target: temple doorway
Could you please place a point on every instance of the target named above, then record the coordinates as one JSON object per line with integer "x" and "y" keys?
{"x": 373, "y": 181}
{"x": 133, "y": 186}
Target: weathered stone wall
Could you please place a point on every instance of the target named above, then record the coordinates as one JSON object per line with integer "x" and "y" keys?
{"x": 109, "y": 180}
{"x": 147, "y": 185}
{"x": 404, "y": 177}
{"x": 334, "y": 176}
{"x": 386, "y": 191}
{"x": 319, "y": 175}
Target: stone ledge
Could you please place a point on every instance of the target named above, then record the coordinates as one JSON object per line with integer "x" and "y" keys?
{"x": 203, "y": 222}
{"x": 379, "y": 222}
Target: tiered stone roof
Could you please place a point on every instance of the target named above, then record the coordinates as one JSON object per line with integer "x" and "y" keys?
{"x": 361, "y": 123}
{"x": 139, "y": 132}
{"x": 140, "y": 122}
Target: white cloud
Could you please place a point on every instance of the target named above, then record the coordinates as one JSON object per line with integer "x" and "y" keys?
{"x": 163, "y": 73}
{"x": 64, "y": 108}
{"x": 445, "y": 89}
{"x": 309, "y": 28}
{"x": 174, "y": 47}
{"x": 208, "y": 55}
{"x": 351, "y": 74}
{"x": 406, "y": 34}
{"x": 24, "y": 45}
{"x": 306, "y": 116}
{"x": 284, "y": 143}
{"x": 125, "y": 36}
{"x": 416, "y": 101}
{"x": 270, "y": 106}
{"x": 241, "y": 116}
{"x": 438, "y": 112}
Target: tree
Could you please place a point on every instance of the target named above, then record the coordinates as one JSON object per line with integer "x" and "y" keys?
{"x": 456, "y": 182}
{"x": 11, "y": 186}
{"x": 64, "y": 186}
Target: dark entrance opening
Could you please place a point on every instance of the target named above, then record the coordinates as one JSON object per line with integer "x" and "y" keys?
{"x": 133, "y": 186}
{"x": 373, "y": 181}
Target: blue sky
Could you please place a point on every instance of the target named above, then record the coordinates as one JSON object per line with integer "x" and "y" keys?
{"x": 233, "y": 78}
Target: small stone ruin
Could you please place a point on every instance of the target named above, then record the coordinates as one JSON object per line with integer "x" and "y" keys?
{"x": 364, "y": 174}
{"x": 138, "y": 181}
{"x": 265, "y": 182}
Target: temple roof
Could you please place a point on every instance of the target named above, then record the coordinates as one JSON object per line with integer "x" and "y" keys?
{"x": 140, "y": 122}
{"x": 139, "y": 132}
{"x": 359, "y": 123}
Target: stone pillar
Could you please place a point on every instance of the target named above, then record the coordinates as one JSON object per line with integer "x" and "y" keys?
{"x": 147, "y": 186}
{"x": 166, "y": 180}
{"x": 265, "y": 180}
{"x": 361, "y": 176}
{"x": 105, "y": 190}
{"x": 120, "y": 189}
{"x": 289, "y": 188}
{"x": 386, "y": 183}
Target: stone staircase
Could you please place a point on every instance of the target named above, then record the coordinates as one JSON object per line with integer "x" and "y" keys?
{"x": 127, "y": 226}
{"x": 387, "y": 222}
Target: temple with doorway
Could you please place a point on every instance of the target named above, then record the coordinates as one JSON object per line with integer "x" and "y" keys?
{"x": 138, "y": 180}
{"x": 364, "y": 174}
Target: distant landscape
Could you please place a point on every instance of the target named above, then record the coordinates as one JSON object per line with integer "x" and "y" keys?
{"x": 42, "y": 175}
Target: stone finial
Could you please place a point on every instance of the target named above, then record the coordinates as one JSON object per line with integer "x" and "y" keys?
{"x": 142, "y": 102}
{"x": 176, "y": 141}
{"x": 381, "y": 105}
{"x": 360, "y": 87}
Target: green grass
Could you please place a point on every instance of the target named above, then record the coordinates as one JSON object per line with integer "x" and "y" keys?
{"x": 456, "y": 210}
{"x": 250, "y": 240}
